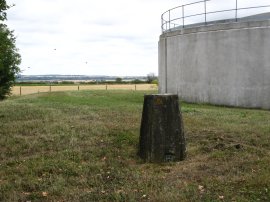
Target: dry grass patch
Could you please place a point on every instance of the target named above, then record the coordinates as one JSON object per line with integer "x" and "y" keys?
{"x": 26, "y": 90}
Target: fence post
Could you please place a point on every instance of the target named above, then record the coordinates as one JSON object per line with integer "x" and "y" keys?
{"x": 50, "y": 88}
{"x": 135, "y": 87}
{"x": 78, "y": 87}
{"x": 106, "y": 87}
{"x": 20, "y": 91}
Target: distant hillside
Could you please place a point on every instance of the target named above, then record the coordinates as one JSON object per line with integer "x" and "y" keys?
{"x": 52, "y": 78}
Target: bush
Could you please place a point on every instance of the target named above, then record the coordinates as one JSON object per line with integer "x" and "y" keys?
{"x": 155, "y": 82}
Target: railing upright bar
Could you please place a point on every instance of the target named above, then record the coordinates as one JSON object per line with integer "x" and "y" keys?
{"x": 183, "y": 15}
{"x": 169, "y": 19}
{"x": 205, "y": 12}
{"x": 162, "y": 23}
{"x": 236, "y": 6}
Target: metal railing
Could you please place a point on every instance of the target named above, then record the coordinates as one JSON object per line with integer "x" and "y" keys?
{"x": 170, "y": 22}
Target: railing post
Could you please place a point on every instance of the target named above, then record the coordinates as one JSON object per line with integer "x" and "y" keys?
{"x": 205, "y": 12}
{"x": 162, "y": 23}
{"x": 169, "y": 19}
{"x": 236, "y": 7}
{"x": 183, "y": 15}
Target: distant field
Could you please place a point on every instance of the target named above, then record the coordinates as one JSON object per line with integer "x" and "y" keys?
{"x": 26, "y": 90}
{"x": 82, "y": 146}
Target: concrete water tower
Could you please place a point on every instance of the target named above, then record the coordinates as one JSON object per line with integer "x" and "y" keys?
{"x": 223, "y": 60}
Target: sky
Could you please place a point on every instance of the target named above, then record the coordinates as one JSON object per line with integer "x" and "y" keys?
{"x": 86, "y": 37}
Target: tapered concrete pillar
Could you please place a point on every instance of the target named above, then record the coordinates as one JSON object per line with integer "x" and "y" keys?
{"x": 162, "y": 132}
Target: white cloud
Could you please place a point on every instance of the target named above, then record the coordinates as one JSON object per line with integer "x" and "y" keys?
{"x": 105, "y": 37}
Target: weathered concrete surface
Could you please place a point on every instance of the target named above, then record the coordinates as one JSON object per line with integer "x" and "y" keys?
{"x": 224, "y": 64}
{"x": 162, "y": 131}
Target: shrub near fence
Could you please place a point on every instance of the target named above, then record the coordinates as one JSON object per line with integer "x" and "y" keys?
{"x": 26, "y": 90}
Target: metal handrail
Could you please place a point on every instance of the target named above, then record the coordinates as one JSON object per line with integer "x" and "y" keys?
{"x": 170, "y": 24}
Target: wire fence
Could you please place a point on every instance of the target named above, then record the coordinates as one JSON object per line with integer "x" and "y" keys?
{"x": 26, "y": 90}
{"x": 201, "y": 12}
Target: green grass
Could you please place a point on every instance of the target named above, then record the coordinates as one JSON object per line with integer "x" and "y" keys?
{"x": 81, "y": 146}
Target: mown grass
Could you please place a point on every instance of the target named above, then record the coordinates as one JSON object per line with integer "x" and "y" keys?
{"x": 81, "y": 146}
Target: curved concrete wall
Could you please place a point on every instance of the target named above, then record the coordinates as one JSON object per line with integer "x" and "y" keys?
{"x": 223, "y": 64}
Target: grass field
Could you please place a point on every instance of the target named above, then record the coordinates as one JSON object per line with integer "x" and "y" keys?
{"x": 31, "y": 89}
{"x": 81, "y": 146}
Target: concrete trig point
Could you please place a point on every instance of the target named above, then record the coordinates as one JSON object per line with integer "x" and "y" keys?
{"x": 162, "y": 133}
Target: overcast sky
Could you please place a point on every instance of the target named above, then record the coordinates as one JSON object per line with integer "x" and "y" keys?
{"x": 86, "y": 37}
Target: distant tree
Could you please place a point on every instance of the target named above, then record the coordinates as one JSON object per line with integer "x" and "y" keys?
{"x": 118, "y": 80}
{"x": 9, "y": 56}
{"x": 137, "y": 81}
{"x": 150, "y": 77}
